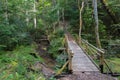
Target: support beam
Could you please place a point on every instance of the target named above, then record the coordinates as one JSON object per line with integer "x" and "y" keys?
{"x": 64, "y": 66}
{"x": 101, "y": 62}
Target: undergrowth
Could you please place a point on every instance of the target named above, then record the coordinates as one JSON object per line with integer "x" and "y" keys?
{"x": 16, "y": 64}
{"x": 56, "y": 42}
{"x": 56, "y": 48}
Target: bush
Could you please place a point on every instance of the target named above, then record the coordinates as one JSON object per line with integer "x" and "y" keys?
{"x": 19, "y": 64}
{"x": 57, "y": 42}
{"x": 11, "y": 36}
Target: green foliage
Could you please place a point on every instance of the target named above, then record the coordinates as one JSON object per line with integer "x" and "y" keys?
{"x": 52, "y": 78}
{"x": 61, "y": 59}
{"x": 115, "y": 31}
{"x": 15, "y": 65}
{"x": 115, "y": 6}
{"x": 11, "y": 36}
{"x": 57, "y": 42}
{"x": 114, "y": 64}
{"x": 71, "y": 12}
{"x": 36, "y": 33}
{"x": 113, "y": 48}
{"x": 15, "y": 31}
{"x": 88, "y": 20}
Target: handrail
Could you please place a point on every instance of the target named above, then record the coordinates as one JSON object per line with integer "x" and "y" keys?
{"x": 90, "y": 56}
{"x": 99, "y": 52}
{"x": 93, "y": 46}
{"x": 102, "y": 60}
{"x": 93, "y": 49}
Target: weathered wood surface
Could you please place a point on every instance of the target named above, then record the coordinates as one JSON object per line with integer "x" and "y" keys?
{"x": 80, "y": 61}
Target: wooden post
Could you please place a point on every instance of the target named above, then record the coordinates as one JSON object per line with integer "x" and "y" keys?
{"x": 101, "y": 62}
{"x": 63, "y": 67}
{"x": 70, "y": 54}
{"x": 70, "y": 60}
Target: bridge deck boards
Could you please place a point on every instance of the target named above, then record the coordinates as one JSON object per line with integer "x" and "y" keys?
{"x": 80, "y": 61}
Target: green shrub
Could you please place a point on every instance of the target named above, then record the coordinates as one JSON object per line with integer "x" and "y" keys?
{"x": 57, "y": 42}
{"x": 16, "y": 65}
{"x": 11, "y": 36}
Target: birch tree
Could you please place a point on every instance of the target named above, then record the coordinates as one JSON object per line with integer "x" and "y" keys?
{"x": 80, "y": 18}
{"x": 96, "y": 23}
{"x": 34, "y": 10}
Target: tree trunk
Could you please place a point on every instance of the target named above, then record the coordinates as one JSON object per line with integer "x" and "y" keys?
{"x": 63, "y": 14}
{"x": 35, "y": 21}
{"x": 96, "y": 24}
{"x": 86, "y": 2}
{"x": 27, "y": 18}
{"x": 58, "y": 13}
{"x": 54, "y": 2}
{"x": 80, "y": 19}
{"x": 6, "y": 13}
{"x": 63, "y": 19}
{"x": 54, "y": 23}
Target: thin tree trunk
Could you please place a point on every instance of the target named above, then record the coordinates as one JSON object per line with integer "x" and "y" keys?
{"x": 54, "y": 2}
{"x": 27, "y": 18}
{"x": 63, "y": 18}
{"x": 58, "y": 13}
{"x": 6, "y": 13}
{"x": 96, "y": 24}
{"x": 80, "y": 18}
{"x": 35, "y": 21}
{"x": 54, "y": 23}
{"x": 86, "y": 1}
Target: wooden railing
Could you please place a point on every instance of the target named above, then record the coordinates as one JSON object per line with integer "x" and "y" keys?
{"x": 96, "y": 55}
{"x": 70, "y": 54}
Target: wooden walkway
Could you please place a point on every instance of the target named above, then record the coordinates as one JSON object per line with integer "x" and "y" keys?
{"x": 80, "y": 62}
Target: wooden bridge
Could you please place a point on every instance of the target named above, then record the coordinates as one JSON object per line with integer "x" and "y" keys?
{"x": 81, "y": 64}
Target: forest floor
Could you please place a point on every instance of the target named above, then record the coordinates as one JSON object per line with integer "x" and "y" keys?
{"x": 48, "y": 63}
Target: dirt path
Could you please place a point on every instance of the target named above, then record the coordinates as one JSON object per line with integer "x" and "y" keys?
{"x": 43, "y": 52}
{"x": 48, "y": 65}
{"x": 87, "y": 76}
